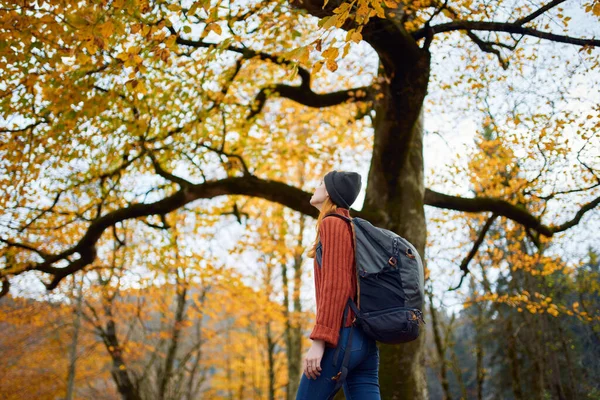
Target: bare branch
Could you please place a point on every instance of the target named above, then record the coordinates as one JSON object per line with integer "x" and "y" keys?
{"x": 508, "y": 27}
{"x": 244, "y": 51}
{"x": 488, "y": 47}
{"x": 25, "y": 246}
{"x": 464, "y": 265}
{"x": 167, "y": 175}
{"x": 538, "y": 12}
{"x": 569, "y": 224}
{"x": 229, "y": 155}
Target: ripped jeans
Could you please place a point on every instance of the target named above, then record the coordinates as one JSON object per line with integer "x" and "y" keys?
{"x": 362, "y": 382}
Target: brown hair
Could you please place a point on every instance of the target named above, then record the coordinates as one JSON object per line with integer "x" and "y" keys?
{"x": 328, "y": 207}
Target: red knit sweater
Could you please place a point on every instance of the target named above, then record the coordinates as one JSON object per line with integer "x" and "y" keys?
{"x": 335, "y": 280}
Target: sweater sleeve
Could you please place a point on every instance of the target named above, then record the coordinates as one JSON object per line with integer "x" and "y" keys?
{"x": 334, "y": 280}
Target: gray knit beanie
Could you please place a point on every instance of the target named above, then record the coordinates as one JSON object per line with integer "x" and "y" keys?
{"x": 343, "y": 187}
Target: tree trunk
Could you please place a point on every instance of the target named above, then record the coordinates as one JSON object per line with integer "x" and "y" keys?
{"x": 74, "y": 341}
{"x": 395, "y": 192}
{"x": 270, "y": 362}
{"x": 119, "y": 370}
{"x": 479, "y": 356}
{"x": 165, "y": 373}
{"x": 514, "y": 362}
{"x": 228, "y": 366}
{"x": 440, "y": 350}
{"x": 572, "y": 392}
{"x": 293, "y": 328}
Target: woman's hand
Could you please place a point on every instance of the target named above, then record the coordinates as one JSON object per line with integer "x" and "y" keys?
{"x": 312, "y": 361}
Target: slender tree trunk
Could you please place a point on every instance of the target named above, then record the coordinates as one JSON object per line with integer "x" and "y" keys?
{"x": 166, "y": 372}
{"x": 119, "y": 371}
{"x": 479, "y": 328}
{"x": 194, "y": 380}
{"x": 458, "y": 373}
{"x": 538, "y": 363}
{"x": 572, "y": 393}
{"x": 440, "y": 350}
{"x": 288, "y": 329}
{"x": 229, "y": 372}
{"x": 75, "y": 339}
{"x": 536, "y": 328}
{"x": 514, "y": 362}
{"x": 479, "y": 357}
{"x": 242, "y": 381}
{"x": 297, "y": 332}
{"x": 106, "y": 329}
{"x": 271, "y": 362}
{"x": 556, "y": 373}
{"x": 293, "y": 328}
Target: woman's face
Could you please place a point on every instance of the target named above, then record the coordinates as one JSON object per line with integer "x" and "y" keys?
{"x": 319, "y": 195}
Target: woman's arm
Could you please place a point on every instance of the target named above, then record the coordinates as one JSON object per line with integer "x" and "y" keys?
{"x": 333, "y": 282}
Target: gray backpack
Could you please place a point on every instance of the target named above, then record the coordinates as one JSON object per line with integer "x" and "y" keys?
{"x": 390, "y": 293}
{"x": 390, "y": 283}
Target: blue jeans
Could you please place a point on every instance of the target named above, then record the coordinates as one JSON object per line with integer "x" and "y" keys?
{"x": 362, "y": 382}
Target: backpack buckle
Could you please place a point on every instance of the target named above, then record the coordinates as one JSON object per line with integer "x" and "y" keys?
{"x": 392, "y": 261}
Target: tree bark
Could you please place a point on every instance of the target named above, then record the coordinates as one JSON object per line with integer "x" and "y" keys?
{"x": 270, "y": 362}
{"x": 293, "y": 329}
{"x": 514, "y": 362}
{"x": 441, "y": 351}
{"x": 119, "y": 371}
{"x": 395, "y": 192}
{"x": 165, "y": 372}
{"x": 75, "y": 339}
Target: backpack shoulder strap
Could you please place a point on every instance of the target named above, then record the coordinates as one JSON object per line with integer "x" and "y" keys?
{"x": 341, "y": 376}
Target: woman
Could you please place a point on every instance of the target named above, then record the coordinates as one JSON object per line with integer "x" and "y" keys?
{"x": 335, "y": 282}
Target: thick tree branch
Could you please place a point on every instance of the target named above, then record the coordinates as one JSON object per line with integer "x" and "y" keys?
{"x": 274, "y": 191}
{"x": 5, "y": 287}
{"x": 315, "y": 7}
{"x": 394, "y": 45}
{"x": 304, "y": 95}
{"x": 503, "y": 208}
